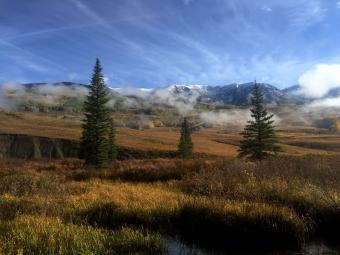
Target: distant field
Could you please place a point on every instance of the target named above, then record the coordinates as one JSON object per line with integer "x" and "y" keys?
{"x": 213, "y": 141}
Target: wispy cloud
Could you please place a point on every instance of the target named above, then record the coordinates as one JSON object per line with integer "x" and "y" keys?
{"x": 306, "y": 13}
{"x": 89, "y": 12}
{"x": 30, "y": 59}
{"x": 153, "y": 43}
{"x": 38, "y": 33}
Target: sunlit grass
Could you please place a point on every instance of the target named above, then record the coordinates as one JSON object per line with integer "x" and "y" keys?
{"x": 220, "y": 203}
{"x": 43, "y": 235}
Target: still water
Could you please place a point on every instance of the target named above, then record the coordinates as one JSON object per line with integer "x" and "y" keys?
{"x": 175, "y": 247}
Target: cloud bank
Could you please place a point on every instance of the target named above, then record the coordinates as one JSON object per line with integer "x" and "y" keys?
{"x": 318, "y": 81}
{"x": 12, "y": 93}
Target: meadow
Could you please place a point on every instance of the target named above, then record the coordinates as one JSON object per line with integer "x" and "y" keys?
{"x": 213, "y": 142}
{"x": 215, "y": 201}
{"x": 137, "y": 206}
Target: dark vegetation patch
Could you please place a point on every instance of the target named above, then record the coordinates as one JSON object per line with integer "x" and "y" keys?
{"x": 317, "y": 145}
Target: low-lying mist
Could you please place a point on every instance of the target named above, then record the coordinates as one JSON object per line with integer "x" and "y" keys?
{"x": 15, "y": 96}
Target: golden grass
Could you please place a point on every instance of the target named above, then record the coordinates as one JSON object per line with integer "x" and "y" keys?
{"x": 214, "y": 203}
{"x": 44, "y": 235}
{"x": 216, "y": 142}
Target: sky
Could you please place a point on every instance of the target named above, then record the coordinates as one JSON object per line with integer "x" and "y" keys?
{"x": 152, "y": 43}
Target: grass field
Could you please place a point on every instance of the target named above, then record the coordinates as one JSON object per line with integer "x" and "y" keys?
{"x": 59, "y": 207}
{"x": 212, "y": 141}
{"x": 137, "y": 206}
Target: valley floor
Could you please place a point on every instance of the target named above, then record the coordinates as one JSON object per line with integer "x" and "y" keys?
{"x": 221, "y": 142}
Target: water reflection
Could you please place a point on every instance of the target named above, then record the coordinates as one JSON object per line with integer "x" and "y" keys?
{"x": 176, "y": 247}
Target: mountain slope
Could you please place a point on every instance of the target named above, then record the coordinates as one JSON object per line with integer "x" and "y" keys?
{"x": 233, "y": 94}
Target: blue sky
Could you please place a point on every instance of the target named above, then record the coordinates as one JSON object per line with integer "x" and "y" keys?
{"x": 150, "y": 43}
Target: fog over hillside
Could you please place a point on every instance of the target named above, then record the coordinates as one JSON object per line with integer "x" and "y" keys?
{"x": 318, "y": 86}
{"x": 215, "y": 105}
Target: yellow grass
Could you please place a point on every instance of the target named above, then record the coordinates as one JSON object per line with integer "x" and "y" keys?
{"x": 280, "y": 200}
{"x": 217, "y": 142}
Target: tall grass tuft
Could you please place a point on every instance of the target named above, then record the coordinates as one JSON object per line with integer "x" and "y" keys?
{"x": 42, "y": 235}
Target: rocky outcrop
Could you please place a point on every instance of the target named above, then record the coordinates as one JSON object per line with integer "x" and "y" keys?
{"x": 34, "y": 147}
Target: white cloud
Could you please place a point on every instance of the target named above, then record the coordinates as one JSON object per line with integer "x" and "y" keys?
{"x": 236, "y": 117}
{"x": 72, "y": 76}
{"x": 131, "y": 91}
{"x": 266, "y": 8}
{"x": 187, "y": 2}
{"x": 229, "y": 117}
{"x": 328, "y": 102}
{"x": 338, "y": 4}
{"x": 106, "y": 79}
{"x": 318, "y": 81}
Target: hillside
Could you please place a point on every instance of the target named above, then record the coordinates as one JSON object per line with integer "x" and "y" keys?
{"x": 216, "y": 141}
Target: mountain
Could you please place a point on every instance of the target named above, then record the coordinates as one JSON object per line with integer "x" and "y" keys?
{"x": 69, "y": 88}
{"x": 233, "y": 94}
{"x": 190, "y": 93}
{"x": 62, "y": 83}
{"x": 32, "y": 87}
{"x": 45, "y": 97}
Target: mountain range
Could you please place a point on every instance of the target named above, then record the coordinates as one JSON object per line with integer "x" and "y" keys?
{"x": 238, "y": 94}
{"x": 232, "y": 94}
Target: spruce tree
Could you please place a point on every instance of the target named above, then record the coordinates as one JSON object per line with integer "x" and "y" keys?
{"x": 259, "y": 140}
{"x": 185, "y": 146}
{"x": 112, "y": 151}
{"x": 96, "y": 125}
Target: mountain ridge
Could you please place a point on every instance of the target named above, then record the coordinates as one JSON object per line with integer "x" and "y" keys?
{"x": 230, "y": 94}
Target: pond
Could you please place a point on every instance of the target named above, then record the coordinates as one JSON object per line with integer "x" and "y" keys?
{"x": 176, "y": 247}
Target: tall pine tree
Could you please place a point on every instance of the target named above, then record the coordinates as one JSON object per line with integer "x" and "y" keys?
{"x": 185, "y": 146}
{"x": 112, "y": 151}
{"x": 94, "y": 146}
{"x": 259, "y": 140}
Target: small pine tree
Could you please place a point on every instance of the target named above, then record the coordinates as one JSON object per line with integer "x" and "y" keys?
{"x": 112, "y": 153}
{"x": 93, "y": 146}
{"x": 185, "y": 146}
{"x": 259, "y": 140}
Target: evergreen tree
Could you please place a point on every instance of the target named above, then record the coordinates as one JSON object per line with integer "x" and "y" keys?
{"x": 112, "y": 153}
{"x": 259, "y": 140}
{"x": 96, "y": 125}
{"x": 185, "y": 146}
